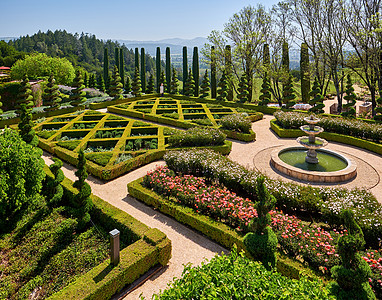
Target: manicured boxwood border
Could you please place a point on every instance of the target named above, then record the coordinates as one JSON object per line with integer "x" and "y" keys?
{"x": 335, "y": 137}
{"x": 151, "y": 247}
{"x": 216, "y": 231}
{"x": 105, "y": 104}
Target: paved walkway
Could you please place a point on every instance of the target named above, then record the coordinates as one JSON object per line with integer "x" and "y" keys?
{"x": 188, "y": 245}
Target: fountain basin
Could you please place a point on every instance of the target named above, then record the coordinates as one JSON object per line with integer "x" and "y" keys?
{"x": 332, "y": 167}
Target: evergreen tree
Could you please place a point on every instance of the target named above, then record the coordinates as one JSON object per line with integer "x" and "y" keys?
{"x": 195, "y": 70}
{"x": 223, "y": 88}
{"x": 121, "y": 67}
{"x": 86, "y": 79}
{"x": 174, "y": 83}
{"x": 116, "y": 89}
{"x": 185, "y": 69}
{"x": 78, "y": 95}
{"x": 243, "y": 89}
{"x": 261, "y": 242}
{"x": 265, "y": 96}
{"x": 92, "y": 81}
{"x": 116, "y": 57}
{"x": 26, "y": 126}
{"x": 150, "y": 84}
{"x": 289, "y": 93}
{"x": 205, "y": 86}
{"x": 353, "y": 274}
{"x": 317, "y": 99}
{"x": 136, "y": 84}
{"x": 54, "y": 189}
{"x": 378, "y": 109}
{"x": 143, "y": 70}
{"x": 190, "y": 84}
{"x": 100, "y": 83}
{"x": 158, "y": 68}
{"x": 162, "y": 79}
{"x": 213, "y": 73}
{"x": 304, "y": 71}
{"x": 136, "y": 60}
{"x": 106, "y": 69}
{"x": 228, "y": 69}
{"x": 82, "y": 201}
{"x": 128, "y": 84}
{"x": 24, "y": 96}
{"x": 51, "y": 97}
{"x": 285, "y": 57}
{"x": 168, "y": 70}
{"x": 350, "y": 97}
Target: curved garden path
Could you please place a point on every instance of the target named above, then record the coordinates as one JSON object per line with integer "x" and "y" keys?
{"x": 188, "y": 245}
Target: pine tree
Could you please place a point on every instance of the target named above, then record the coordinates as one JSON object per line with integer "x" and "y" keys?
{"x": 136, "y": 84}
{"x": 100, "y": 83}
{"x": 317, "y": 99}
{"x": 51, "y": 97}
{"x": 128, "y": 84}
{"x": 116, "y": 85}
{"x": 190, "y": 84}
{"x": 174, "y": 83}
{"x": 223, "y": 88}
{"x": 54, "y": 189}
{"x": 86, "y": 79}
{"x": 143, "y": 70}
{"x": 26, "y": 126}
{"x": 289, "y": 93}
{"x": 24, "y": 96}
{"x": 195, "y": 70}
{"x": 243, "y": 89}
{"x": 121, "y": 67}
{"x": 150, "y": 84}
{"x": 213, "y": 73}
{"x": 205, "y": 86}
{"x": 106, "y": 69}
{"x": 168, "y": 70}
{"x": 162, "y": 79}
{"x": 158, "y": 68}
{"x": 78, "y": 95}
{"x": 265, "y": 96}
{"x": 350, "y": 97}
{"x": 304, "y": 71}
{"x": 228, "y": 69}
{"x": 82, "y": 201}
{"x": 185, "y": 69}
{"x": 92, "y": 81}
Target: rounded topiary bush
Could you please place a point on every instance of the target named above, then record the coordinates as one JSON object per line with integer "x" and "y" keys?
{"x": 236, "y": 122}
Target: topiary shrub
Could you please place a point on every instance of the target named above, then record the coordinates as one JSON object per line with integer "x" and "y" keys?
{"x": 51, "y": 97}
{"x": 137, "y": 90}
{"x": 289, "y": 93}
{"x": 78, "y": 95}
{"x": 236, "y": 122}
{"x": 350, "y": 97}
{"x": 189, "y": 88}
{"x": 262, "y": 242}
{"x": 197, "y": 137}
{"x": 26, "y": 126}
{"x": 205, "y": 87}
{"x": 223, "y": 88}
{"x": 174, "y": 83}
{"x": 317, "y": 99}
{"x": 116, "y": 87}
{"x": 54, "y": 189}
{"x": 353, "y": 273}
{"x": 243, "y": 89}
{"x": 265, "y": 96}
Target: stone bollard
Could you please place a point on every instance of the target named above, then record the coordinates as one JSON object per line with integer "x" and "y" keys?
{"x": 114, "y": 247}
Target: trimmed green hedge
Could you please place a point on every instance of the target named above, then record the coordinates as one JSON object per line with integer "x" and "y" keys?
{"x": 105, "y": 104}
{"x": 216, "y": 231}
{"x": 335, "y": 137}
{"x": 149, "y": 247}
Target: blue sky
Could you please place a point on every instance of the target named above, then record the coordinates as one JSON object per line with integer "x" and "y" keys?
{"x": 118, "y": 19}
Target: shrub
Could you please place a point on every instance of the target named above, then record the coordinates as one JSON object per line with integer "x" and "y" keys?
{"x": 196, "y": 137}
{"x": 100, "y": 159}
{"x": 236, "y": 122}
{"x": 54, "y": 189}
{"x": 123, "y": 157}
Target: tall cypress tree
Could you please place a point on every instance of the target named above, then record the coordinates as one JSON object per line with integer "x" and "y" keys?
{"x": 137, "y": 90}
{"x": 228, "y": 70}
{"x": 106, "y": 68}
{"x": 158, "y": 68}
{"x": 116, "y": 57}
{"x": 350, "y": 97}
{"x": 243, "y": 89}
{"x": 195, "y": 70}
{"x": 143, "y": 70}
{"x": 174, "y": 83}
{"x": 304, "y": 71}
{"x": 121, "y": 67}
{"x": 100, "y": 83}
{"x": 285, "y": 63}
{"x": 185, "y": 69}
{"x": 24, "y": 96}
{"x": 213, "y": 73}
{"x": 150, "y": 84}
{"x": 136, "y": 60}
{"x": 223, "y": 88}
{"x": 168, "y": 70}
{"x": 51, "y": 97}
{"x": 78, "y": 95}
{"x": 86, "y": 79}
{"x": 128, "y": 84}
{"x": 190, "y": 84}
{"x": 116, "y": 85}
{"x": 205, "y": 86}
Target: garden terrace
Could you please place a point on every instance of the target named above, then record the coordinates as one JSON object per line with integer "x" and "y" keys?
{"x": 113, "y": 145}
{"x": 186, "y": 114}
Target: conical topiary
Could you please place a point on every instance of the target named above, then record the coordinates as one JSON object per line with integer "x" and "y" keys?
{"x": 100, "y": 83}
{"x": 128, "y": 84}
{"x": 116, "y": 85}
{"x": 190, "y": 84}
{"x": 54, "y": 189}
{"x": 317, "y": 99}
{"x": 350, "y": 97}
{"x": 205, "y": 86}
{"x": 174, "y": 83}
{"x": 289, "y": 93}
{"x": 150, "y": 84}
{"x": 78, "y": 95}
{"x": 243, "y": 89}
{"x": 92, "y": 81}
{"x": 25, "y": 95}
{"x": 26, "y": 125}
{"x": 222, "y": 88}
{"x": 137, "y": 91}
{"x": 265, "y": 96}
{"x": 51, "y": 97}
